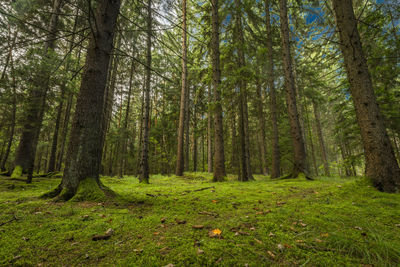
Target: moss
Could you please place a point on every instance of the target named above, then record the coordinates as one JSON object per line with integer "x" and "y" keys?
{"x": 17, "y": 172}
{"x": 89, "y": 190}
{"x": 329, "y": 222}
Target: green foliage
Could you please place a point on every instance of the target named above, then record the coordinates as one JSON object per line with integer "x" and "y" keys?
{"x": 327, "y": 222}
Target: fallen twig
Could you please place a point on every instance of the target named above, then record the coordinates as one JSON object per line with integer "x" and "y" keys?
{"x": 9, "y": 221}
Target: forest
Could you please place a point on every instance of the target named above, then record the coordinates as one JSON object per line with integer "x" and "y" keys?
{"x": 199, "y": 133}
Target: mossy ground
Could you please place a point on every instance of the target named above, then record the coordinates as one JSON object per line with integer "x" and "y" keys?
{"x": 294, "y": 222}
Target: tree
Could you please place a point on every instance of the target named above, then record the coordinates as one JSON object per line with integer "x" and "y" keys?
{"x": 219, "y": 155}
{"x": 81, "y": 174}
{"x": 144, "y": 173}
{"x": 180, "y": 163}
{"x": 275, "y": 159}
{"x": 380, "y": 162}
{"x": 299, "y": 163}
{"x": 33, "y": 115}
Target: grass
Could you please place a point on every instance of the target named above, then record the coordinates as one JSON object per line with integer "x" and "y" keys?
{"x": 295, "y": 222}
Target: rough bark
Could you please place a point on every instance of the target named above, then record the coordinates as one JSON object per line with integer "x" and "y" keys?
{"x": 380, "y": 162}
{"x": 187, "y": 126}
{"x": 180, "y": 163}
{"x": 81, "y": 174}
{"x": 32, "y": 122}
{"x": 144, "y": 173}
{"x": 275, "y": 159}
{"x": 219, "y": 157}
{"x": 295, "y": 128}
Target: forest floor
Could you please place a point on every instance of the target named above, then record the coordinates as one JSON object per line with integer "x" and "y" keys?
{"x": 326, "y": 222}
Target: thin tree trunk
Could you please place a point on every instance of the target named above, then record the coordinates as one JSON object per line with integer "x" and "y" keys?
{"x": 261, "y": 120}
{"x": 125, "y": 125}
{"x": 180, "y": 163}
{"x": 144, "y": 175}
{"x": 219, "y": 157}
{"x": 187, "y": 126}
{"x": 210, "y": 150}
{"x": 380, "y": 162}
{"x": 13, "y": 118}
{"x": 300, "y": 165}
{"x": 245, "y": 173}
{"x": 85, "y": 144}
{"x": 321, "y": 138}
{"x": 194, "y": 134}
{"x": 32, "y": 122}
{"x": 275, "y": 159}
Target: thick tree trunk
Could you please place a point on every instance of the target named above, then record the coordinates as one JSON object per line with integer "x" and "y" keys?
{"x": 32, "y": 122}
{"x": 245, "y": 173}
{"x": 275, "y": 160}
{"x": 380, "y": 162}
{"x": 219, "y": 157}
{"x": 321, "y": 138}
{"x": 300, "y": 165}
{"x": 144, "y": 173}
{"x": 180, "y": 163}
{"x": 81, "y": 175}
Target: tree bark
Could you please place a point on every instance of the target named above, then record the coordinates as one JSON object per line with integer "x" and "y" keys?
{"x": 245, "y": 173}
{"x": 32, "y": 122}
{"x": 13, "y": 118}
{"x": 275, "y": 159}
{"x": 261, "y": 121}
{"x": 53, "y": 154}
{"x": 300, "y": 165}
{"x": 219, "y": 157}
{"x": 210, "y": 150}
{"x": 380, "y": 162}
{"x": 180, "y": 163}
{"x": 81, "y": 174}
{"x": 144, "y": 173}
{"x": 321, "y": 138}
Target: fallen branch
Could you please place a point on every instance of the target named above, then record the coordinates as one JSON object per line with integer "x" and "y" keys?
{"x": 9, "y": 221}
{"x": 200, "y": 189}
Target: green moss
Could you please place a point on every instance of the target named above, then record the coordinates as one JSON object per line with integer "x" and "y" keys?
{"x": 88, "y": 190}
{"x": 327, "y": 222}
{"x": 17, "y": 172}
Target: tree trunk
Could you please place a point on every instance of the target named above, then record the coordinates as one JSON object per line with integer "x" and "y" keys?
{"x": 52, "y": 161}
{"x": 32, "y": 122}
{"x": 295, "y": 129}
{"x": 144, "y": 173}
{"x": 210, "y": 150}
{"x": 180, "y": 163}
{"x": 261, "y": 121}
{"x": 219, "y": 157}
{"x": 380, "y": 162}
{"x": 245, "y": 173}
{"x": 125, "y": 125}
{"x": 321, "y": 138}
{"x": 187, "y": 126}
{"x": 81, "y": 175}
{"x": 194, "y": 134}
{"x": 13, "y": 118}
{"x": 275, "y": 159}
